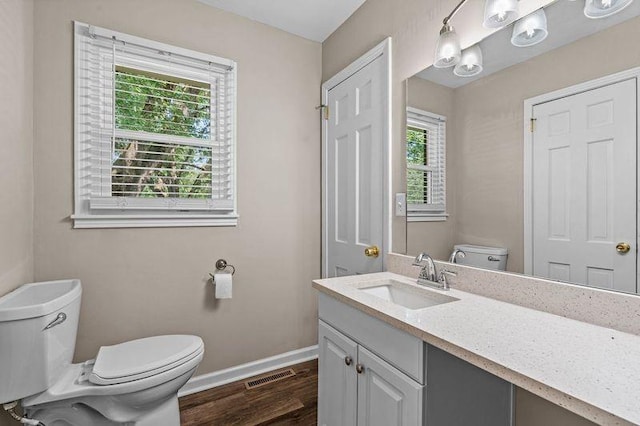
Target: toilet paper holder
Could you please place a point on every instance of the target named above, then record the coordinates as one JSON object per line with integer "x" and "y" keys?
{"x": 222, "y": 265}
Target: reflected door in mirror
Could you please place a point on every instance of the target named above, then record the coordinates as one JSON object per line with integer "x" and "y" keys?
{"x": 584, "y": 187}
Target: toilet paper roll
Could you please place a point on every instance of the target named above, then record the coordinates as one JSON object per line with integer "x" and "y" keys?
{"x": 224, "y": 285}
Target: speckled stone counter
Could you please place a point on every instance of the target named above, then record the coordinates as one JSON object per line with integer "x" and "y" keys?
{"x": 588, "y": 369}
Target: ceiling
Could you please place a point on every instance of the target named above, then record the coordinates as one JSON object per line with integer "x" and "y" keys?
{"x": 311, "y": 19}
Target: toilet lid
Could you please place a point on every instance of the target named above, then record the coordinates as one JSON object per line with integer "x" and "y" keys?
{"x": 142, "y": 358}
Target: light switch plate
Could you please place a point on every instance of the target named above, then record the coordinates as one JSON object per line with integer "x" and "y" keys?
{"x": 401, "y": 204}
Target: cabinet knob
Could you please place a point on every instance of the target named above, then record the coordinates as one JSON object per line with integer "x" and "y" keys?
{"x": 348, "y": 360}
{"x": 360, "y": 368}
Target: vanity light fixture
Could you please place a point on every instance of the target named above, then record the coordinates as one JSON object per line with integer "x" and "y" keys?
{"x": 596, "y": 9}
{"x": 471, "y": 62}
{"x": 499, "y": 13}
{"x": 530, "y": 30}
{"x": 448, "y": 50}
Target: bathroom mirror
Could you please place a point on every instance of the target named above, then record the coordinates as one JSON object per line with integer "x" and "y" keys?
{"x": 529, "y": 150}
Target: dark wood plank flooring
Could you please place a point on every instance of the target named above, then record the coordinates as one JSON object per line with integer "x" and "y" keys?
{"x": 292, "y": 401}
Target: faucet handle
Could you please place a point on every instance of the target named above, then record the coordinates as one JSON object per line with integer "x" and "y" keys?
{"x": 442, "y": 278}
{"x": 445, "y": 272}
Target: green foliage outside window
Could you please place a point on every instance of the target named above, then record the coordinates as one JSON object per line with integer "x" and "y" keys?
{"x": 417, "y": 180}
{"x": 164, "y": 105}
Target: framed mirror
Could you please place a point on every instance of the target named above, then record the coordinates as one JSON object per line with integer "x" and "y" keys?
{"x": 530, "y": 165}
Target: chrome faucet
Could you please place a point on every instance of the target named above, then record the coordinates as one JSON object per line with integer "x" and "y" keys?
{"x": 454, "y": 255}
{"x": 428, "y": 271}
{"x": 429, "y": 275}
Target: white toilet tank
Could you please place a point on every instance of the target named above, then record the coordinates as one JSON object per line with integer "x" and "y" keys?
{"x": 38, "y": 327}
{"x": 482, "y": 256}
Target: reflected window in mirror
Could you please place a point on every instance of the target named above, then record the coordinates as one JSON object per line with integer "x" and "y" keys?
{"x": 426, "y": 162}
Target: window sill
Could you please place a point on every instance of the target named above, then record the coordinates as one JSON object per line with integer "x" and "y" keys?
{"x": 416, "y": 217}
{"x": 116, "y": 221}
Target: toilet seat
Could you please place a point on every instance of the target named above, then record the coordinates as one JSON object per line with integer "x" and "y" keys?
{"x": 142, "y": 358}
{"x": 74, "y": 383}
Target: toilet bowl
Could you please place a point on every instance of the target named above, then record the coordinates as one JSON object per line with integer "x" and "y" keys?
{"x": 132, "y": 383}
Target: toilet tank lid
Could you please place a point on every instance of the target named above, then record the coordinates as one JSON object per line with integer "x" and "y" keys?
{"x": 38, "y": 299}
{"x": 497, "y": 251}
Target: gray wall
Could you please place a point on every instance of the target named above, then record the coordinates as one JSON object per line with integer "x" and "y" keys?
{"x": 142, "y": 282}
{"x": 16, "y": 147}
{"x": 16, "y": 143}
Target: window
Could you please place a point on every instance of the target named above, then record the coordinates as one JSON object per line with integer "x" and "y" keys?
{"x": 426, "y": 194}
{"x": 155, "y": 134}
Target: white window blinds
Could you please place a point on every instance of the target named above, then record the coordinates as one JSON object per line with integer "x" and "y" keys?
{"x": 426, "y": 161}
{"x": 155, "y": 128}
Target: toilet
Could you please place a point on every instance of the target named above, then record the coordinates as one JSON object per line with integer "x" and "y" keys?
{"x": 132, "y": 383}
{"x": 482, "y": 256}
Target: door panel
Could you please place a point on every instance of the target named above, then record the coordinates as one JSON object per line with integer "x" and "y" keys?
{"x": 584, "y": 187}
{"x": 337, "y": 381}
{"x": 355, "y": 172}
{"x": 386, "y": 397}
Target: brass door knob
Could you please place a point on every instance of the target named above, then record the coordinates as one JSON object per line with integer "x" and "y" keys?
{"x": 372, "y": 251}
{"x": 348, "y": 360}
{"x": 623, "y": 248}
{"x": 359, "y": 368}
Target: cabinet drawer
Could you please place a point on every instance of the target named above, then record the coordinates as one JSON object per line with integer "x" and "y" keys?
{"x": 398, "y": 348}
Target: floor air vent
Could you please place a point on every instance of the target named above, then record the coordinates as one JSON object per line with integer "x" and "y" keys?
{"x": 269, "y": 378}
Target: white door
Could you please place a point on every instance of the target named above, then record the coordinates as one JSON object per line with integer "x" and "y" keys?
{"x": 386, "y": 396}
{"x": 337, "y": 378}
{"x": 354, "y": 172}
{"x": 584, "y": 187}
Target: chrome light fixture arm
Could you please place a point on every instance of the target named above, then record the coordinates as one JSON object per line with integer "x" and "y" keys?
{"x": 445, "y": 21}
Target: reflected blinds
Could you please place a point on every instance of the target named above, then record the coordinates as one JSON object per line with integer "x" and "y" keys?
{"x": 155, "y": 125}
{"x": 426, "y": 193}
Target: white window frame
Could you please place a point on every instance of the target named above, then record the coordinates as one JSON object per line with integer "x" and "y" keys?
{"x": 426, "y": 212}
{"x": 117, "y": 212}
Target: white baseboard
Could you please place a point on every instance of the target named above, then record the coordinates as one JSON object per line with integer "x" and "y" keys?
{"x": 229, "y": 375}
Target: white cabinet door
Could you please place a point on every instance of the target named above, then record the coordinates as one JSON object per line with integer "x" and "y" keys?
{"x": 584, "y": 187}
{"x": 386, "y": 397}
{"x": 337, "y": 378}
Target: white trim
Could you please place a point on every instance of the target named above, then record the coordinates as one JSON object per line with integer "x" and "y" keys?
{"x": 382, "y": 49}
{"x": 528, "y": 152}
{"x": 229, "y": 375}
{"x": 426, "y": 114}
{"x": 139, "y": 41}
{"x": 416, "y": 217}
{"x": 165, "y": 221}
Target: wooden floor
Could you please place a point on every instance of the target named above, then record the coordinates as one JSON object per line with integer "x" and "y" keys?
{"x": 291, "y": 401}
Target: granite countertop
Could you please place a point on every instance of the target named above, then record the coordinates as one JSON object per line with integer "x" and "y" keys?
{"x": 591, "y": 370}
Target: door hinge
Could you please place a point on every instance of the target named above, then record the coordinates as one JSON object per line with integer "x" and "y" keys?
{"x": 533, "y": 124}
{"x": 325, "y": 111}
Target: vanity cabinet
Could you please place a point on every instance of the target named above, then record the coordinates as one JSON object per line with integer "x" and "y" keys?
{"x": 373, "y": 374}
{"x": 358, "y": 387}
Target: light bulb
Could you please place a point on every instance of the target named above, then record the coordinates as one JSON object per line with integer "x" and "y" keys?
{"x": 530, "y": 30}
{"x": 498, "y": 13}
{"x": 597, "y": 9}
{"x": 470, "y": 63}
{"x": 447, "y": 48}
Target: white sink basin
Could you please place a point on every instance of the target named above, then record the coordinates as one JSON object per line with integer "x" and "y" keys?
{"x": 405, "y": 295}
